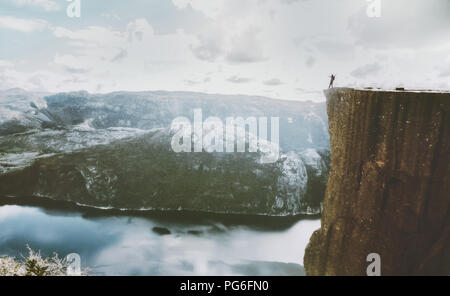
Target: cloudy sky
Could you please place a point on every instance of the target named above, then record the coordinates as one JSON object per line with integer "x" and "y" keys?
{"x": 277, "y": 48}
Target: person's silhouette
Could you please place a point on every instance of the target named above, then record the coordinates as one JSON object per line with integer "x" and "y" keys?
{"x": 332, "y": 78}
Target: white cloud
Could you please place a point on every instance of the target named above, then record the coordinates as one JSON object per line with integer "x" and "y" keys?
{"x": 41, "y": 80}
{"x": 6, "y": 64}
{"x": 273, "y": 82}
{"x": 71, "y": 64}
{"x": 122, "y": 54}
{"x": 90, "y": 36}
{"x": 218, "y": 42}
{"x": 366, "y": 70}
{"x": 310, "y": 61}
{"x": 445, "y": 73}
{"x": 22, "y": 25}
{"x": 132, "y": 58}
{"x": 443, "y": 67}
{"x": 291, "y": 1}
{"x": 403, "y": 23}
{"x": 139, "y": 29}
{"x": 233, "y": 31}
{"x": 47, "y": 5}
{"x": 246, "y": 48}
{"x": 217, "y": 46}
{"x": 114, "y": 16}
{"x": 210, "y": 45}
{"x": 209, "y": 8}
{"x": 237, "y": 79}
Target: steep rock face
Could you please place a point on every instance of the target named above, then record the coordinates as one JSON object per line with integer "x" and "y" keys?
{"x": 388, "y": 190}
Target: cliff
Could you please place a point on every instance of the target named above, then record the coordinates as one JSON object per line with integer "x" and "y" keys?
{"x": 388, "y": 190}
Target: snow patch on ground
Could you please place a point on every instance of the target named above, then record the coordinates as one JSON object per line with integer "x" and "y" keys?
{"x": 12, "y": 161}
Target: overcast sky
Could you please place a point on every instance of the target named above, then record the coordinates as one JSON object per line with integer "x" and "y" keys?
{"x": 277, "y": 48}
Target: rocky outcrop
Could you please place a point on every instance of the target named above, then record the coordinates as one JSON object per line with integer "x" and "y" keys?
{"x": 389, "y": 184}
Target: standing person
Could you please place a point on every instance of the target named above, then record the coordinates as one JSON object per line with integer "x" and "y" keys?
{"x": 332, "y": 78}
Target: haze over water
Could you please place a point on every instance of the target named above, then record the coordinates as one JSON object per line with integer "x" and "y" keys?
{"x": 127, "y": 245}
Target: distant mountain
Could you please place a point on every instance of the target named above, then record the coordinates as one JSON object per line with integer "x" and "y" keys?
{"x": 18, "y": 110}
{"x": 113, "y": 150}
{"x": 302, "y": 124}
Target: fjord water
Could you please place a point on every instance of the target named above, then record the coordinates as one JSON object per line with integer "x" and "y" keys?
{"x": 127, "y": 244}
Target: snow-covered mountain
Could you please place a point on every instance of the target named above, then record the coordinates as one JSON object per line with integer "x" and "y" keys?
{"x": 113, "y": 150}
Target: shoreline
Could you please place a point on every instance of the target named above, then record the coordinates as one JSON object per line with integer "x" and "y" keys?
{"x": 183, "y": 216}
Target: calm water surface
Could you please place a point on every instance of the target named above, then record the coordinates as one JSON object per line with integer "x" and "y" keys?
{"x": 128, "y": 245}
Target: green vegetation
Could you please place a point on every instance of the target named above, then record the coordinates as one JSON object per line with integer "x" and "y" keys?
{"x": 34, "y": 265}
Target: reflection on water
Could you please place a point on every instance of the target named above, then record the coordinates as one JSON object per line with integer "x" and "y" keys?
{"x": 128, "y": 245}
